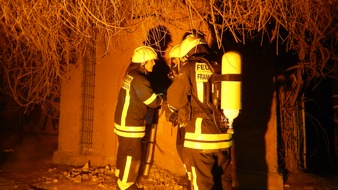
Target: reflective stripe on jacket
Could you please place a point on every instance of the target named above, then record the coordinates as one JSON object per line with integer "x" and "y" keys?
{"x": 130, "y": 131}
{"x": 206, "y": 141}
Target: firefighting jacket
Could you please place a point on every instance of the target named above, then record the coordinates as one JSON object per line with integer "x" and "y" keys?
{"x": 201, "y": 133}
{"x": 135, "y": 96}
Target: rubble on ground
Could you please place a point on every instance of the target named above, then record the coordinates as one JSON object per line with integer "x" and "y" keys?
{"x": 103, "y": 178}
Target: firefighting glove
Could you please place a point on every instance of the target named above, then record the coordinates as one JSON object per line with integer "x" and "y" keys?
{"x": 163, "y": 96}
{"x": 173, "y": 118}
{"x": 170, "y": 115}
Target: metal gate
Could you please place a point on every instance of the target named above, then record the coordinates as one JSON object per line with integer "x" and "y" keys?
{"x": 88, "y": 88}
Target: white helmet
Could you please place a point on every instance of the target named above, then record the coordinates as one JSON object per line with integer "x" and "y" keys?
{"x": 175, "y": 62}
{"x": 143, "y": 54}
{"x": 175, "y": 51}
{"x": 190, "y": 42}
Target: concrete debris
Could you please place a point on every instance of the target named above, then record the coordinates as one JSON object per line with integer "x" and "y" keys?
{"x": 102, "y": 185}
{"x": 86, "y": 166}
{"x": 87, "y": 173}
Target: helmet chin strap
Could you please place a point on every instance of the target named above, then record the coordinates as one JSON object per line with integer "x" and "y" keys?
{"x": 144, "y": 68}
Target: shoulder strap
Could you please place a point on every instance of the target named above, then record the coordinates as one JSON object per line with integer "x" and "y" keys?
{"x": 212, "y": 115}
{"x": 203, "y": 107}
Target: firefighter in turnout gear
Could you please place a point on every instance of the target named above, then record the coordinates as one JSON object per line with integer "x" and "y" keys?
{"x": 171, "y": 114}
{"x": 135, "y": 96}
{"x": 206, "y": 147}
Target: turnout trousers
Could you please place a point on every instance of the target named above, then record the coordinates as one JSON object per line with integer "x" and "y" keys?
{"x": 209, "y": 170}
{"x": 128, "y": 161}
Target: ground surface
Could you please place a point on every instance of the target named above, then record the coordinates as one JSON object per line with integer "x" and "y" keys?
{"x": 28, "y": 166}
{"x": 44, "y": 175}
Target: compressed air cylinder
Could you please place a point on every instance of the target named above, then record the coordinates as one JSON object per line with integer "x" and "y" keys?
{"x": 231, "y": 89}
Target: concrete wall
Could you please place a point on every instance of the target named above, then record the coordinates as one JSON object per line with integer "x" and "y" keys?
{"x": 70, "y": 119}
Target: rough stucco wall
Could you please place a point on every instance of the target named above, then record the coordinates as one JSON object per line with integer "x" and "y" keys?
{"x": 70, "y": 118}
{"x": 109, "y": 72}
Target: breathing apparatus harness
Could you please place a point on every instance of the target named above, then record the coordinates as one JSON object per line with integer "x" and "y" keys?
{"x": 211, "y": 107}
{"x": 222, "y": 112}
